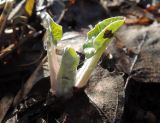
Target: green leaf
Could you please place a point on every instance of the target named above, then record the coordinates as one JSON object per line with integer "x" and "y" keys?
{"x": 54, "y": 30}
{"x": 101, "y": 34}
{"x": 98, "y": 39}
{"x": 67, "y": 72}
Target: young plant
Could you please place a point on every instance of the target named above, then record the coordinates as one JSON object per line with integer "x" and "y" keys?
{"x": 52, "y": 36}
{"x": 97, "y": 40}
{"x": 67, "y": 73}
{"x": 65, "y": 76}
{"x": 62, "y": 76}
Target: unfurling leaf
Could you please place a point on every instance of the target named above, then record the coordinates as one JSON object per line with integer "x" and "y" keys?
{"x": 52, "y": 36}
{"x": 67, "y": 72}
{"x": 55, "y": 30}
{"x": 101, "y": 34}
{"x": 98, "y": 39}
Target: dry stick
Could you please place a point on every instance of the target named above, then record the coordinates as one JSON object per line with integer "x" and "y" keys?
{"x": 61, "y": 16}
{"x": 7, "y": 50}
{"x": 17, "y": 10}
{"x": 13, "y": 46}
{"x": 136, "y": 57}
{"x": 120, "y": 98}
{"x": 29, "y": 84}
{"x": 5, "y": 13}
{"x": 120, "y": 107}
{"x": 31, "y": 81}
{"x": 5, "y": 103}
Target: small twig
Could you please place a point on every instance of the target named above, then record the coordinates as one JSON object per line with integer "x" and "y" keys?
{"x": 17, "y": 10}
{"x": 12, "y": 47}
{"x": 4, "y": 15}
{"x": 120, "y": 102}
{"x": 136, "y": 57}
{"x": 29, "y": 84}
{"x": 33, "y": 62}
{"x": 139, "y": 50}
{"x": 7, "y": 50}
{"x": 61, "y": 16}
{"x": 5, "y": 103}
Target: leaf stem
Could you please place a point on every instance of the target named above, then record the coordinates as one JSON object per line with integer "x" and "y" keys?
{"x": 53, "y": 65}
{"x": 84, "y": 73}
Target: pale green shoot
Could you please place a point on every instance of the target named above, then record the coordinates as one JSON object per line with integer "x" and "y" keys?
{"x": 97, "y": 41}
{"x": 67, "y": 72}
{"x": 63, "y": 75}
{"x": 52, "y": 36}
